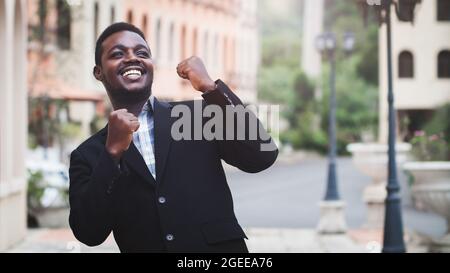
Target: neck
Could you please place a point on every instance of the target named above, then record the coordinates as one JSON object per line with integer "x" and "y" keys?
{"x": 134, "y": 108}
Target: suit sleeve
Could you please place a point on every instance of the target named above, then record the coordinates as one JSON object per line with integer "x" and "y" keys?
{"x": 91, "y": 186}
{"x": 246, "y": 154}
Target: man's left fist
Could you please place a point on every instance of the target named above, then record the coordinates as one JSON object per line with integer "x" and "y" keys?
{"x": 194, "y": 70}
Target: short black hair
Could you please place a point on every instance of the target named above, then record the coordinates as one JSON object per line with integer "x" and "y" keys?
{"x": 114, "y": 28}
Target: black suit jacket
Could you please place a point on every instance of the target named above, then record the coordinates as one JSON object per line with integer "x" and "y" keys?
{"x": 188, "y": 209}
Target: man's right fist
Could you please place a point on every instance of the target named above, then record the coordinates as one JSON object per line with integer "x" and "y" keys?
{"x": 121, "y": 127}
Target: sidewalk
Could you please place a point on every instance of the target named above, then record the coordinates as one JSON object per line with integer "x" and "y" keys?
{"x": 261, "y": 241}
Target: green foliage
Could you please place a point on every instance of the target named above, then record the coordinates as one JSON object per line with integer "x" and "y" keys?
{"x": 275, "y": 84}
{"x": 344, "y": 16}
{"x": 301, "y": 114}
{"x": 433, "y": 144}
{"x": 69, "y": 130}
{"x": 281, "y": 49}
{"x": 35, "y": 189}
{"x": 45, "y": 126}
{"x": 357, "y": 104}
{"x": 440, "y": 122}
{"x": 430, "y": 147}
{"x": 97, "y": 123}
{"x": 281, "y": 80}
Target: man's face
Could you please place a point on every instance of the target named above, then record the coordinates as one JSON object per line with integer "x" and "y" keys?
{"x": 126, "y": 68}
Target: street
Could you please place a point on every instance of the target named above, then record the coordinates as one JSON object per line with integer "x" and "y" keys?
{"x": 287, "y": 196}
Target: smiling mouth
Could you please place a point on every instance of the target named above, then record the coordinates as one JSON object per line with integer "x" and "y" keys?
{"x": 132, "y": 74}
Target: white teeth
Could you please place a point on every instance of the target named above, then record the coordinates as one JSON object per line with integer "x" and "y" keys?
{"x": 132, "y": 72}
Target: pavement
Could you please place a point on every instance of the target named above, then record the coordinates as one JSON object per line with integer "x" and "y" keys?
{"x": 261, "y": 240}
{"x": 279, "y": 211}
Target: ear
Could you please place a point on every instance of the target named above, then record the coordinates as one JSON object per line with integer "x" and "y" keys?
{"x": 98, "y": 73}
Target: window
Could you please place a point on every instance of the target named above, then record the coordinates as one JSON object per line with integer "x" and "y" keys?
{"x": 206, "y": 48}
{"x": 158, "y": 38}
{"x": 406, "y": 65}
{"x": 130, "y": 17}
{"x": 443, "y": 10}
{"x": 113, "y": 15}
{"x": 194, "y": 43}
{"x": 406, "y": 10}
{"x": 444, "y": 64}
{"x": 183, "y": 43}
{"x": 64, "y": 24}
{"x": 145, "y": 24}
{"x": 171, "y": 42}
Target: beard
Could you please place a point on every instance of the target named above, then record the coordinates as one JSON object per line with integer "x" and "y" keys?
{"x": 123, "y": 96}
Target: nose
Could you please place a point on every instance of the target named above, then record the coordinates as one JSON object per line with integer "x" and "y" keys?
{"x": 130, "y": 57}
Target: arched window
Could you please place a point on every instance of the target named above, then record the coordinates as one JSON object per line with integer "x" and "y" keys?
{"x": 206, "y": 47}
{"x": 144, "y": 24}
{"x": 64, "y": 24}
{"x": 183, "y": 43}
{"x": 194, "y": 42}
{"x": 406, "y": 65}
{"x": 158, "y": 38}
{"x": 113, "y": 15}
{"x": 444, "y": 64}
{"x": 443, "y": 10}
{"x": 130, "y": 17}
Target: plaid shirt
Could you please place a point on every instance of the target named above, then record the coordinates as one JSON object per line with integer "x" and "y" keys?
{"x": 144, "y": 137}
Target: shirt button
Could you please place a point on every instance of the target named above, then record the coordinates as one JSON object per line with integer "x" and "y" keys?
{"x": 162, "y": 200}
{"x": 170, "y": 237}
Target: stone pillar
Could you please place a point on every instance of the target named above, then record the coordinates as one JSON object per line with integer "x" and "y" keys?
{"x": 13, "y": 122}
{"x": 312, "y": 27}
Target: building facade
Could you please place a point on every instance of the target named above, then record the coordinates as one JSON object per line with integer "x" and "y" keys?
{"x": 13, "y": 121}
{"x": 421, "y": 66}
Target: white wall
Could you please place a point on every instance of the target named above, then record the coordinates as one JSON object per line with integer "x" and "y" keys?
{"x": 425, "y": 39}
{"x": 13, "y": 121}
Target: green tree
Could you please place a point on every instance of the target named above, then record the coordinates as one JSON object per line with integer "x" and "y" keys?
{"x": 357, "y": 104}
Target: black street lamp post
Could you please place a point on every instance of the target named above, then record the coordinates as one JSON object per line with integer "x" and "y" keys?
{"x": 327, "y": 45}
{"x": 393, "y": 241}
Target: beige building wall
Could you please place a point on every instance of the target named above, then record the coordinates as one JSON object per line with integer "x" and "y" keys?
{"x": 13, "y": 121}
{"x": 424, "y": 39}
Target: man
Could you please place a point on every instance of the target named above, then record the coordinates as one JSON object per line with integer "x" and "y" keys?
{"x": 156, "y": 194}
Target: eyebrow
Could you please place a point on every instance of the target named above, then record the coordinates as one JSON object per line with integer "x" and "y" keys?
{"x": 122, "y": 47}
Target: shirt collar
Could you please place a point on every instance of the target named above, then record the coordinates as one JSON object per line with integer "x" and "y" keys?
{"x": 149, "y": 105}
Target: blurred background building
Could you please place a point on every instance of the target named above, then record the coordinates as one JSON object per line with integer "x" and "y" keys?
{"x": 13, "y": 121}
{"x": 421, "y": 63}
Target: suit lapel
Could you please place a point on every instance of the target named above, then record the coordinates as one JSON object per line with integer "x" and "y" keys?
{"x": 163, "y": 139}
{"x": 133, "y": 159}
